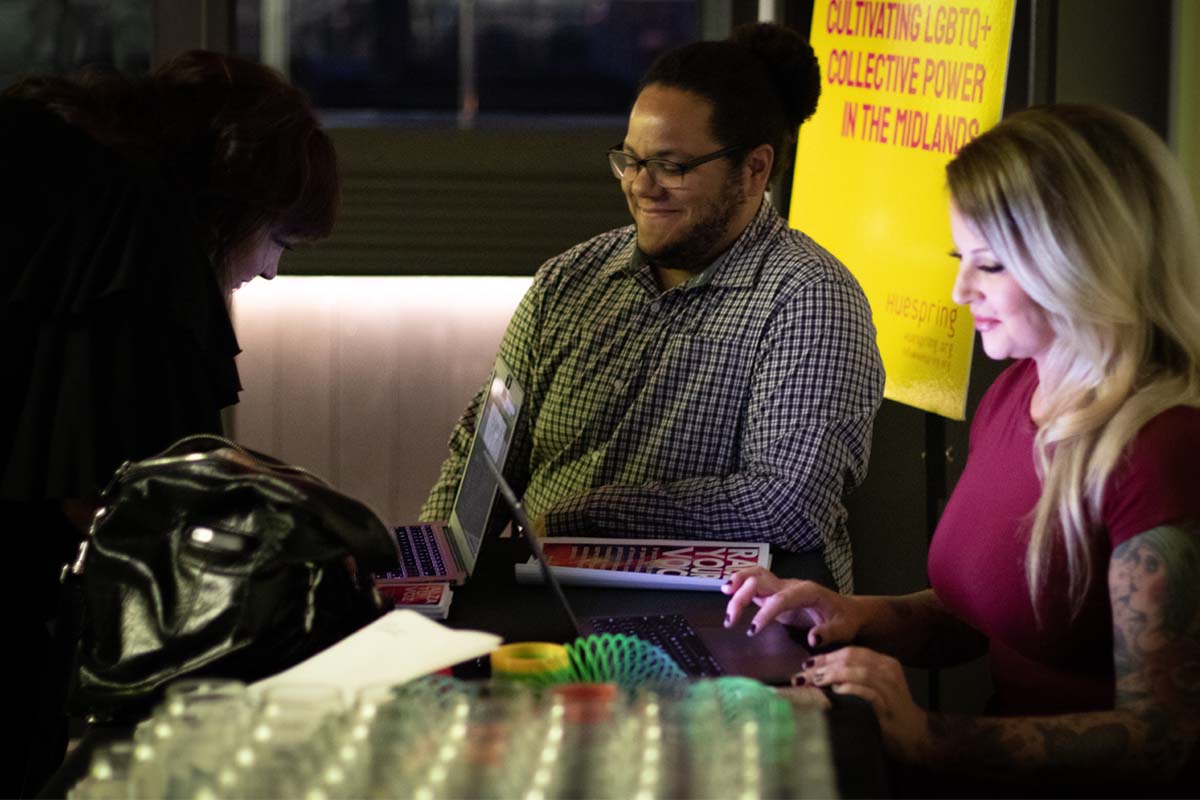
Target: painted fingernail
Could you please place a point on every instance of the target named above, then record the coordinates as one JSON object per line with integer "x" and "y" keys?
{"x": 799, "y": 680}
{"x": 809, "y": 663}
{"x": 753, "y": 629}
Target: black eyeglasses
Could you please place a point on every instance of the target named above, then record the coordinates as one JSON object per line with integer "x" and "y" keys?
{"x": 666, "y": 173}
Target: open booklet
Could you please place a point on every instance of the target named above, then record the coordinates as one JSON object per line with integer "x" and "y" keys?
{"x": 397, "y": 647}
{"x": 644, "y": 563}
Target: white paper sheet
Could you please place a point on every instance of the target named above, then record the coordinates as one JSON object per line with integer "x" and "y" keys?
{"x": 397, "y": 647}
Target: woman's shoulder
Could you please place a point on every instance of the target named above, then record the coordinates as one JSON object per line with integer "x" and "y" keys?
{"x": 1157, "y": 480}
{"x": 1172, "y": 422}
{"x": 1167, "y": 445}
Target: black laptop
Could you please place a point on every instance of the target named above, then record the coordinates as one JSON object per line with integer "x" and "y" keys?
{"x": 691, "y": 630}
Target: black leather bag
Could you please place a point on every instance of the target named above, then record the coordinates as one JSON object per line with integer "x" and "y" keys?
{"x": 210, "y": 559}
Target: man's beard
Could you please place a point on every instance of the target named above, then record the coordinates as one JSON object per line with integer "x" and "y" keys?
{"x": 697, "y": 249}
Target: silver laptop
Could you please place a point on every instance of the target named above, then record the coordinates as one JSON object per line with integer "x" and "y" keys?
{"x": 447, "y": 551}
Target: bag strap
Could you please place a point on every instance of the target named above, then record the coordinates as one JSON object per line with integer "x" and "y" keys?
{"x": 68, "y": 629}
{"x": 210, "y": 442}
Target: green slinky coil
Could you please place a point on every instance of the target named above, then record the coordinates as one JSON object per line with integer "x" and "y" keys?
{"x": 736, "y": 701}
{"x": 627, "y": 661}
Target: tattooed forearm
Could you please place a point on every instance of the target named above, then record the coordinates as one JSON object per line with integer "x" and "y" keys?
{"x": 922, "y": 633}
{"x": 1154, "y": 590}
{"x": 959, "y": 740}
{"x": 1165, "y": 746}
{"x": 1085, "y": 747}
{"x": 1103, "y": 747}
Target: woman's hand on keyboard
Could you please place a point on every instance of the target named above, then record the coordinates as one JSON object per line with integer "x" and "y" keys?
{"x": 831, "y": 617}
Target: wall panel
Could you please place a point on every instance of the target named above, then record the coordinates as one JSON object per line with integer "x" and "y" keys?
{"x": 362, "y": 379}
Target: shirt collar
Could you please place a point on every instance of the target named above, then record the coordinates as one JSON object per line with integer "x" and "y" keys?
{"x": 734, "y": 269}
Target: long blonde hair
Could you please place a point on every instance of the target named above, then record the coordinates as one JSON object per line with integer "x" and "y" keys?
{"x": 1090, "y": 213}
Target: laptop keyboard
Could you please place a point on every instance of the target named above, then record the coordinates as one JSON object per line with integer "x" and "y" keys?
{"x": 419, "y": 553}
{"x": 672, "y": 632}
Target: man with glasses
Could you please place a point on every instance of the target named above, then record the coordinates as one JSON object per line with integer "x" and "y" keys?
{"x": 706, "y": 373}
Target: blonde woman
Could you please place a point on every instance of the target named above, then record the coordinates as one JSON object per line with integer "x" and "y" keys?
{"x": 1070, "y": 549}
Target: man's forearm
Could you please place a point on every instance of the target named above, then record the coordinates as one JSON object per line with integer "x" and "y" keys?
{"x": 731, "y": 508}
{"x": 440, "y": 501}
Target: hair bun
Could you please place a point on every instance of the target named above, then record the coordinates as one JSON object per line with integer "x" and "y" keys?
{"x": 791, "y": 62}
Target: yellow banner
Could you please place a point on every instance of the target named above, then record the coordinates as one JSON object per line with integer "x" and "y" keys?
{"x": 905, "y": 86}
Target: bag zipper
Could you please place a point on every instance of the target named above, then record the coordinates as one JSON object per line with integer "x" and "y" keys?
{"x": 76, "y": 567}
{"x": 315, "y": 573}
{"x": 130, "y": 467}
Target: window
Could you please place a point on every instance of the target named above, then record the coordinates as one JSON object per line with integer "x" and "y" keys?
{"x": 467, "y": 56}
{"x": 42, "y": 37}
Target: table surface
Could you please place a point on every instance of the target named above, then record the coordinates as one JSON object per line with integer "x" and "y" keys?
{"x": 493, "y": 601}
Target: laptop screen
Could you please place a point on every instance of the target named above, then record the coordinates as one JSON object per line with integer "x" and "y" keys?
{"x": 493, "y": 433}
{"x": 535, "y": 547}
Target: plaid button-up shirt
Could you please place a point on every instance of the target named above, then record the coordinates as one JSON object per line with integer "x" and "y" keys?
{"x": 735, "y": 406}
